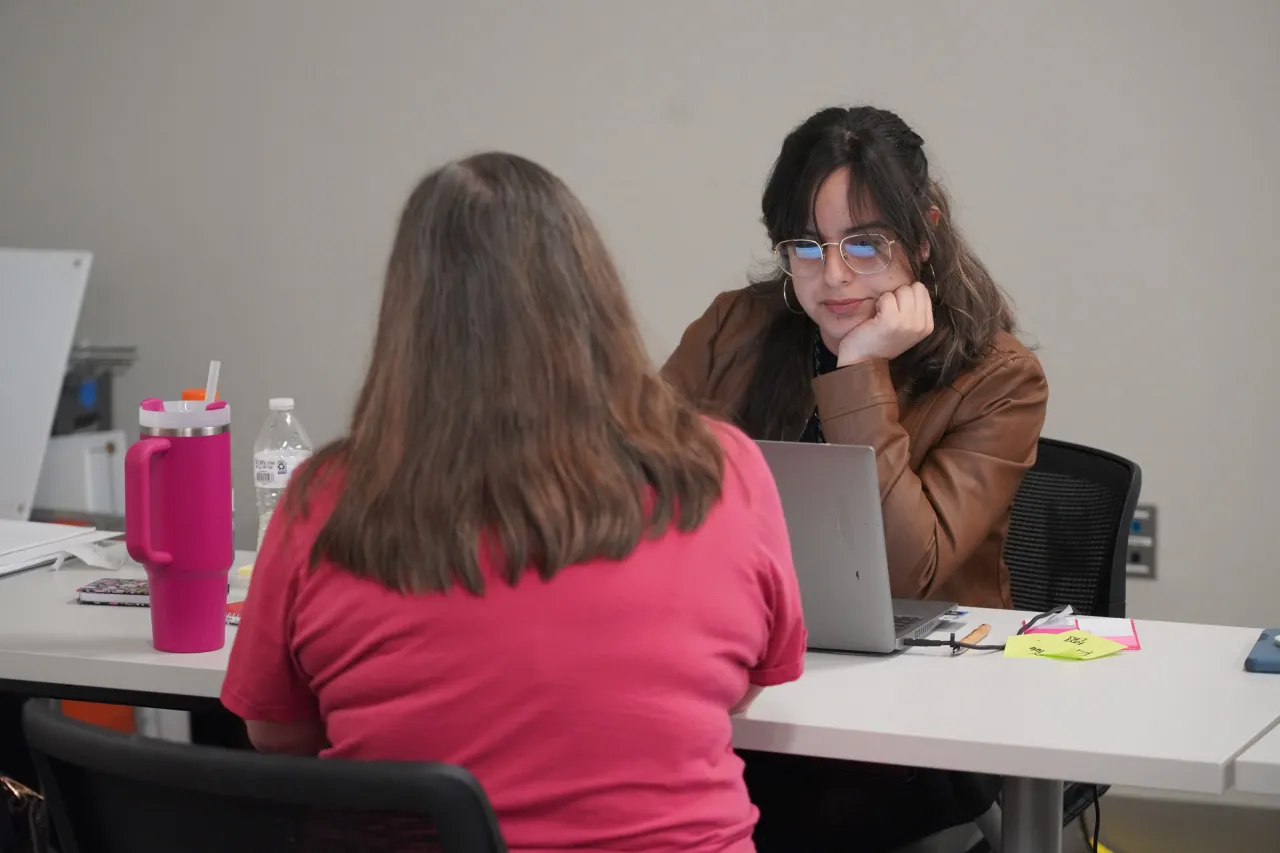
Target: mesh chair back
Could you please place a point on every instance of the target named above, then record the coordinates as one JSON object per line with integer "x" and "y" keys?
{"x": 1068, "y": 533}
{"x": 110, "y": 793}
{"x": 1069, "y": 529}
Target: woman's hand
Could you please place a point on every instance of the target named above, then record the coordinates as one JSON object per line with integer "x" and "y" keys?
{"x": 904, "y": 317}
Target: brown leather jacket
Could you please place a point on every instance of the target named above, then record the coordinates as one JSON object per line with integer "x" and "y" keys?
{"x": 949, "y": 462}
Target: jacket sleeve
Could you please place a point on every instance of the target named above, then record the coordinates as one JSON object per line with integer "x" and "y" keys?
{"x": 934, "y": 520}
{"x": 688, "y": 369}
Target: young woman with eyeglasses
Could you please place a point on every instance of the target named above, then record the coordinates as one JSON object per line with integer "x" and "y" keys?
{"x": 878, "y": 325}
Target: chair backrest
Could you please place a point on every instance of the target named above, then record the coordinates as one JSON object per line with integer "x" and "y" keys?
{"x": 113, "y": 792}
{"x": 1069, "y": 530}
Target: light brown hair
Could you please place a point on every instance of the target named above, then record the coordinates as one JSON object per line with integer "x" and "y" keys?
{"x": 510, "y": 407}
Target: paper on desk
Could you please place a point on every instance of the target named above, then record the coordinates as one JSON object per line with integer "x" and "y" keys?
{"x": 95, "y": 556}
{"x": 20, "y": 537}
{"x": 43, "y": 555}
{"x": 1122, "y": 631}
{"x": 1058, "y": 623}
{"x": 1071, "y": 645}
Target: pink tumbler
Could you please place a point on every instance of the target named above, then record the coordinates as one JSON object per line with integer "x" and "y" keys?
{"x": 177, "y": 519}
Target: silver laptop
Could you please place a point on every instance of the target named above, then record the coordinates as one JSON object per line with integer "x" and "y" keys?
{"x": 831, "y": 500}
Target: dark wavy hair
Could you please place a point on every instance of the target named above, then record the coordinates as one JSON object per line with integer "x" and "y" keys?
{"x": 888, "y": 166}
{"x": 510, "y": 407}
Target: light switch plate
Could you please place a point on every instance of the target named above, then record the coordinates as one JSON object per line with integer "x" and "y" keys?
{"x": 1141, "y": 558}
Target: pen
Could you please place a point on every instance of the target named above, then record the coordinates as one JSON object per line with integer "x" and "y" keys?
{"x": 977, "y": 635}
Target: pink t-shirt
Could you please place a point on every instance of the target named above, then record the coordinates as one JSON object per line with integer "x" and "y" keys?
{"x": 594, "y": 708}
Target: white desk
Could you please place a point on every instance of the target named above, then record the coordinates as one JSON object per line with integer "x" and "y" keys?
{"x": 1172, "y": 716}
{"x": 1258, "y": 767}
{"x": 79, "y": 651}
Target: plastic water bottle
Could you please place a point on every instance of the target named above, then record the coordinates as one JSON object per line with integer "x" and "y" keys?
{"x": 281, "y": 447}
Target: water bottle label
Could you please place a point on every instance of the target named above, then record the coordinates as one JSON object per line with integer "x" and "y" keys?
{"x": 273, "y": 470}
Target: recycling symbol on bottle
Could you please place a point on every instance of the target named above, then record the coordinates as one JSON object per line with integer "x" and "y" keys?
{"x": 280, "y": 467}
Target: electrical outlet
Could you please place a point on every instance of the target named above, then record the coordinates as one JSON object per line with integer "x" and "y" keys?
{"x": 1142, "y": 543}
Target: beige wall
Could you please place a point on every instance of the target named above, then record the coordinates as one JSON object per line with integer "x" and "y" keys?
{"x": 236, "y": 166}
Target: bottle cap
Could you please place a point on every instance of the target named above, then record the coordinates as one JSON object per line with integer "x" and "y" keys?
{"x": 280, "y": 404}
{"x": 197, "y": 394}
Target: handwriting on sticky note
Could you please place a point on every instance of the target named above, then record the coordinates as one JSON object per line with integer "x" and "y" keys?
{"x": 1086, "y": 646}
{"x": 1028, "y": 645}
{"x": 1072, "y": 645}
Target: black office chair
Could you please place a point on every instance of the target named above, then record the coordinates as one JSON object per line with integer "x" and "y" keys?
{"x": 1067, "y": 544}
{"x": 110, "y": 793}
{"x": 1069, "y": 530}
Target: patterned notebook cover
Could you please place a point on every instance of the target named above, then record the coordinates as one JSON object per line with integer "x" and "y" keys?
{"x": 127, "y": 591}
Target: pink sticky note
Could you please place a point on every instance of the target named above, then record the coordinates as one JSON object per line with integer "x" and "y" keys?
{"x": 1122, "y": 631}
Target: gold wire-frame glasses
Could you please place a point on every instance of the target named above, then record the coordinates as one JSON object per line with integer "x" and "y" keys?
{"x": 865, "y": 254}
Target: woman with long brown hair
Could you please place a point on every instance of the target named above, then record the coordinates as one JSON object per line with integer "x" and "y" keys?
{"x": 876, "y": 325}
{"x": 529, "y": 557}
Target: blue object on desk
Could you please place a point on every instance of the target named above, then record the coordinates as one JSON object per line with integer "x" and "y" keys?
{"x": 1265, "y": 656}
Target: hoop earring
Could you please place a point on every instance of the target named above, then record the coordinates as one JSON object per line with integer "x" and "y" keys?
{"x": 933, "y": 276}
{"x": 787, "y": 301}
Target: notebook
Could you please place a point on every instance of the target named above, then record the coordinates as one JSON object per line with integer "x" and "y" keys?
{"x": 134, "y": 592}
{"x": 127, "y": 591}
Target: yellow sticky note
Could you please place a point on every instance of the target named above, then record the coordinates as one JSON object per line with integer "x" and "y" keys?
{"x": 1030, "y": 645}
{"x": 1081, "y": 645}
{"x": 1071, "y": 645}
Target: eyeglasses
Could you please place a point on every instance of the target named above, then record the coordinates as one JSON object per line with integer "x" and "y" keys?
{"x": 863, "y": 253}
